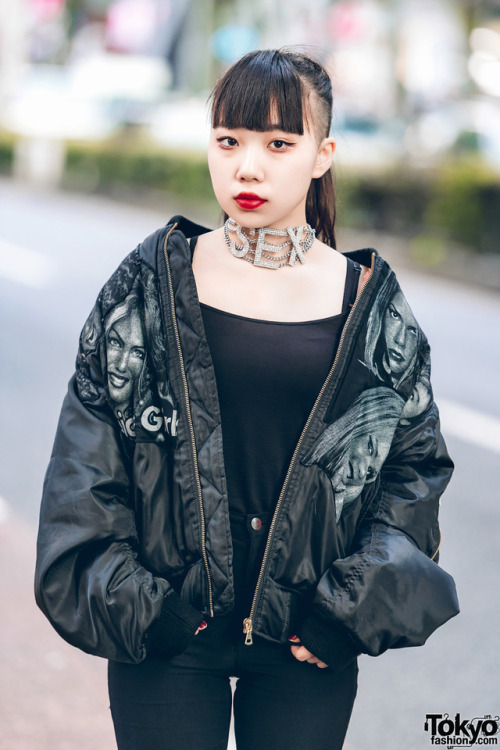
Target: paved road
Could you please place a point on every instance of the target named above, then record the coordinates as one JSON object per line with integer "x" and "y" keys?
{"x": 55, "y": 252}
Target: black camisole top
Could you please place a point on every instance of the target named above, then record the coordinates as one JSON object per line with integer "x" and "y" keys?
{"x": 268, "y": 377}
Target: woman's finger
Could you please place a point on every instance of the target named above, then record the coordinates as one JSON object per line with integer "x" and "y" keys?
{"x": 318, "y": 662}
{"x": 301, "y": 653}
{"x": 202, "y": 627}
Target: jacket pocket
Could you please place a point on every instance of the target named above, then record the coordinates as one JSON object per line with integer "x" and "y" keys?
{"x": 282, "y": 612}
{"x": 194, "y": 586}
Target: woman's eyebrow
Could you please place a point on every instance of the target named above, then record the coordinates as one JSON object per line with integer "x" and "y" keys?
{"x": 113, "y": 330}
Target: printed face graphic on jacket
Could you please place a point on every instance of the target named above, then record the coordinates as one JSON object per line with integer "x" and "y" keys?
{"x": 400, "y": 331}
{"x": 352, "y": 449}
{"x": 393, "y": 339}
{"x": 362, "y": 464}
{"x": 125, "y": 354}
{"x": 116, "y": 335}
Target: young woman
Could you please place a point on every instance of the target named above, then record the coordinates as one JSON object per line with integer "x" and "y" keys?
{"x": 237, "y": 487}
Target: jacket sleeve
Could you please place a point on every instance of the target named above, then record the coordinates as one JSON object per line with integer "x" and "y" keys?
{"x": 88, "y": 580}
{"x": 389, "y": 592}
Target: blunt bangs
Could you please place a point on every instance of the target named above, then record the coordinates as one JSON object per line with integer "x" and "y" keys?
{"x": 262, "y": 91}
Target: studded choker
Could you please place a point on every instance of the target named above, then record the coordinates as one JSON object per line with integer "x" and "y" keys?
{"x": 256, "y": 250}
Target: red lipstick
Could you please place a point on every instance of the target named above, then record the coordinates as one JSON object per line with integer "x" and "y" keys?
{"x": 249, "y": 201}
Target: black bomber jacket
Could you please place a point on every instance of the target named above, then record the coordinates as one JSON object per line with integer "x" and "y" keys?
{"x": 134, "y": 543}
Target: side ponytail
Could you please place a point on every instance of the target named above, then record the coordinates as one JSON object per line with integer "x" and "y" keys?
{"x": 321, "y": 208}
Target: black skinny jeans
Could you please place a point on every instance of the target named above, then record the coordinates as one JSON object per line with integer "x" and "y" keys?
{"x": 184, "y": 703}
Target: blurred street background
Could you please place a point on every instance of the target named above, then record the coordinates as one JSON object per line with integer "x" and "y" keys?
{"x": 103, "y": 128}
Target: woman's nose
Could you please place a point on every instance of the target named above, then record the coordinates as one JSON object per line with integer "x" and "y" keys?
{"x": 360, "y": 468}
{"x": 122, "y": 361}
{"x": 400, "y": 335}
{"x": 249, "y": 167}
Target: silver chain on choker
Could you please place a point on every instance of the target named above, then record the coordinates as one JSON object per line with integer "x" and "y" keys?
{"x": 256, "y": 250}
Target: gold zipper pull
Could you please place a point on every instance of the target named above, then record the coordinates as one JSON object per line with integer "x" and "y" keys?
{"x": 247, "y": 630}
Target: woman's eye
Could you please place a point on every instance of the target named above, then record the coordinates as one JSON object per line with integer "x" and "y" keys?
{"x": 280, "y": 145}
{"x": 113, "y": 341}
{"x": 227, "y": 142}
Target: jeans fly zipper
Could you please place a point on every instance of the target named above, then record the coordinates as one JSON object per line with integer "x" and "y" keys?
{"x": 190, "y": 424}
{"x": 248, "y": 621}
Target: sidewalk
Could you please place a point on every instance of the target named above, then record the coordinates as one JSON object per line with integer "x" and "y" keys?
{"x": 52, "y": 697}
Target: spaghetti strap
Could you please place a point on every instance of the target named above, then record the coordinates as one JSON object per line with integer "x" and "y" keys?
{"x": 351, "y": 284}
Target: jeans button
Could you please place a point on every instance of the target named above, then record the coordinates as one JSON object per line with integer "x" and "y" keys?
{"x": 256, "y": 523}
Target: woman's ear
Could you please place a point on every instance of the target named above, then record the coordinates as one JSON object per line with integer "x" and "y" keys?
{"x": 325, "y": 157}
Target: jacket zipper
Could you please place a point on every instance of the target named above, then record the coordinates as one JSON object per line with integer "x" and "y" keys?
{"x": 438, "y": 548}
{"x": 248, "y": 621}
{"x": 191, "y": 428}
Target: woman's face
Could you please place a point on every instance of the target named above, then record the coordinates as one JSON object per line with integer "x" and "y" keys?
{"x": 364, "y": 461}
{"x": 274, "y": 167}
{"x": 125, "y": 356}
{"x": 401, "y": 335}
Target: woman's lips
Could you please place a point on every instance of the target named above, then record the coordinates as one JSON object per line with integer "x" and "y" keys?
{"x": 396, "y": 355}
{"x": 117, "y": 381}
{"x": 249, "y": 201}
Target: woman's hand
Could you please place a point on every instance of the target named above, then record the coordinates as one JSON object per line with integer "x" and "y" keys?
{"x": 301, "y": 653}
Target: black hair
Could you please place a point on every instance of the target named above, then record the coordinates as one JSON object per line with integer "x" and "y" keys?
{"x": 282, "y": 89}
